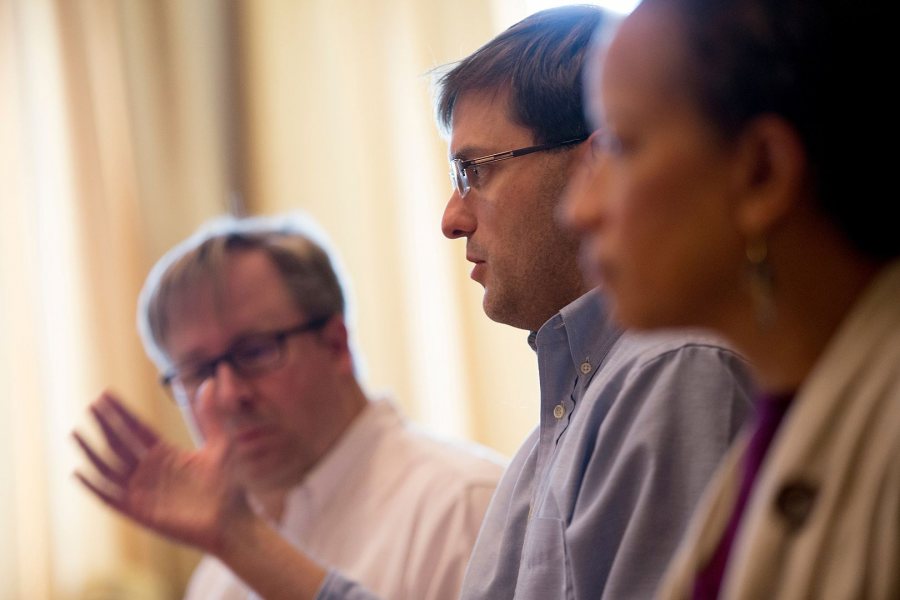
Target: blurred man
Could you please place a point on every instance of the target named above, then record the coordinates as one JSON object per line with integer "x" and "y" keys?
{"x": 256, "y": 306}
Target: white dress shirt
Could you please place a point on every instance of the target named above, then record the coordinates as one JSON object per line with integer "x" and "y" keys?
{"x": 390, "y": 506}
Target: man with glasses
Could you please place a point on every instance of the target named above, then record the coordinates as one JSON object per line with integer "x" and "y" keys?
{"x": 632, "y": 425}
{"x": 251, "y": 314}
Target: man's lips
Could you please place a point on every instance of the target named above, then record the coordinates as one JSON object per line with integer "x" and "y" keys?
{"x": 251, "y": 438}
{"x": 478, "y": 269}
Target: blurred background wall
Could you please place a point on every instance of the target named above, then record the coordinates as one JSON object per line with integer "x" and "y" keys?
{"x": 124, "y": 124}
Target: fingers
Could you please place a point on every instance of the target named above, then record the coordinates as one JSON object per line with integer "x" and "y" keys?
{"x": 106, "y": 497}
{"x": 145, "y": 434}
{"x": 111, "y": 489}
{"x": 126, "y": 437}
{"x": 101, "y": 465}
{"x": 115, "y": 441}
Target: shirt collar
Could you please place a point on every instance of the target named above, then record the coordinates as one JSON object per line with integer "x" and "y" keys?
{"x": 585, "y": 326}
{"x": 344, "y": 458}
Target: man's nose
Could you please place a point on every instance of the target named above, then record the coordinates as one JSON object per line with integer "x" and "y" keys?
{"x": 232, "y": 391}
{"x": 458, "y": 220}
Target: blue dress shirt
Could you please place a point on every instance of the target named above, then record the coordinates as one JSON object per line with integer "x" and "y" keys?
{"x": 632, "y": 427}
{"x": 592, "y": 506}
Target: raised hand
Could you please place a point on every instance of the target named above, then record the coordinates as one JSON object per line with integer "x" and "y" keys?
{"x": 186, "y": 495}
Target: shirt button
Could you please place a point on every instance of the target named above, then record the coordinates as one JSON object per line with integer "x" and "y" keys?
{"x": 559, "y": 411}
{"x": 586, "y": 367}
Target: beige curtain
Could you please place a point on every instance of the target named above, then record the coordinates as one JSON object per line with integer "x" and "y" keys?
{"x": 126, "y": 123}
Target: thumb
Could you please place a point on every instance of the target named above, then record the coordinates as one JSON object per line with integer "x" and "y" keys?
{"x": 216, "y": 443}
{"x": 210, "y": 426}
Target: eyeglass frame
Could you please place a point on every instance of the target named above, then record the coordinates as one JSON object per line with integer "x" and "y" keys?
{"x": 279, "y": 337}
{"x": 458, "y": 166}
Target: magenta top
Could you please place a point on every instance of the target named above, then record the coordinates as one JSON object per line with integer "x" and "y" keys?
{"x": 769, "y": 415}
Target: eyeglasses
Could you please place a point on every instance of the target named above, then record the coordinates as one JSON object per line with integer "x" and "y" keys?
{"x": 250, "y": 356}
{"x": 459, "y": 168}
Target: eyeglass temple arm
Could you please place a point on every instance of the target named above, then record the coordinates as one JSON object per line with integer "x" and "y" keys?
{"x": 520, "y": 152}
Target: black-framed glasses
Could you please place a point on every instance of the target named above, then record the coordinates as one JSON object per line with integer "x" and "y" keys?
{"x": 460, "y": 169}
{"x": 250, "y": 356}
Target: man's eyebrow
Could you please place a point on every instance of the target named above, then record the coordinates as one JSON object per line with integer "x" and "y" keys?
{"x": 193, "y": 357}
{"x": 467, "y": 152}
{"x": 249, "y": 336}
{"x": 198, "y": 356}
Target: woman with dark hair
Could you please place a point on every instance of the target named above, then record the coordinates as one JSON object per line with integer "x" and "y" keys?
{"x": 735, "y": 185}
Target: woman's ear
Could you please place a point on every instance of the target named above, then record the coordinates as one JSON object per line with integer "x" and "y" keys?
{"x": 772, "y": 174}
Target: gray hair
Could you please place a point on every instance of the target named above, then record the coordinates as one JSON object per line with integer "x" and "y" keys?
{"x": 296, "y": 245}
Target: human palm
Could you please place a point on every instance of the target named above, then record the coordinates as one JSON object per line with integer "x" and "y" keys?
{"x": 184, "y": 494}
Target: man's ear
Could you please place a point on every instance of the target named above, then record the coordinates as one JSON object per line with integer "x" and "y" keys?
{"x": 584, "y": 152}
{"x": 772, "y": 174}
{"x": 336, "y": 339}
{"x": 580, "y": 159}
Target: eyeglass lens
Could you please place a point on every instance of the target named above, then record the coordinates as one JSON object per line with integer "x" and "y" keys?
{"x": 249, "y": 358}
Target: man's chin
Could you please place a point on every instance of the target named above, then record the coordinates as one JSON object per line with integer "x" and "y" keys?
{"x": 501, "y": 311}
{"x": 263, "y": 483}
{"x": 258, "y": 474}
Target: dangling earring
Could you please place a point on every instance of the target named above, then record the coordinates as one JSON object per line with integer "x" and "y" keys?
{"x": 759, "y": 270}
